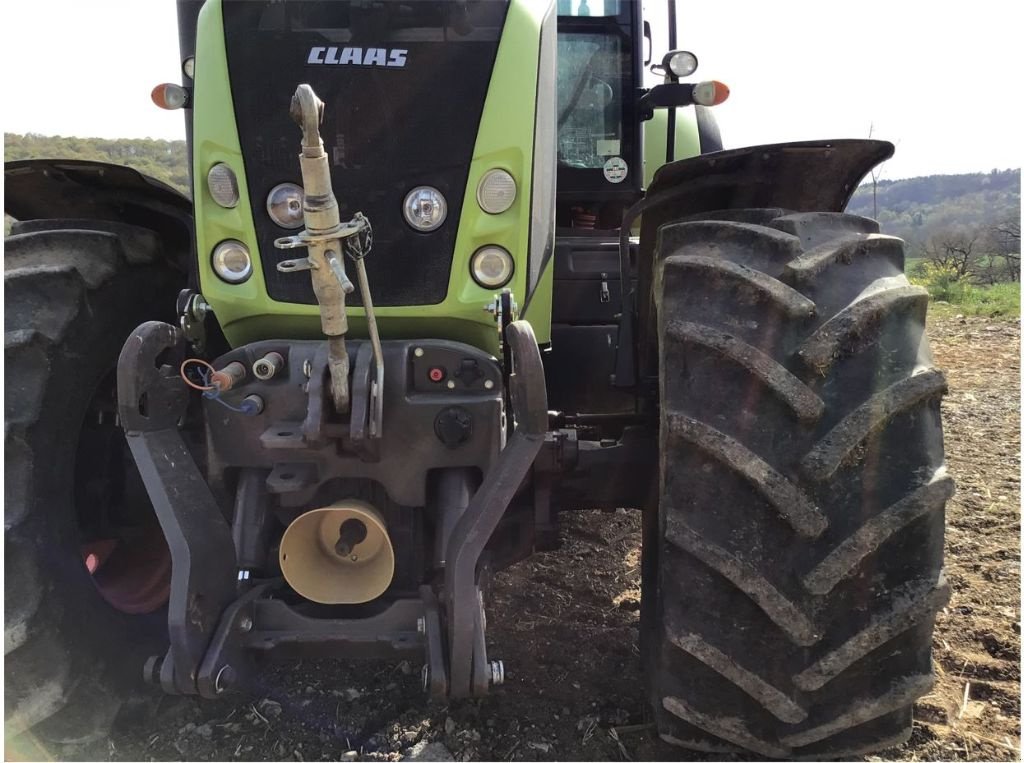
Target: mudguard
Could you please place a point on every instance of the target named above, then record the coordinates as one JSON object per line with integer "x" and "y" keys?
{"x": 811, "y": 176}
{"x": 49, "y": 189}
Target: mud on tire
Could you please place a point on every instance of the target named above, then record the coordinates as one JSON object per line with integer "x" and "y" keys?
{"x": 798, "y": 547}
{"x": 74, "y": 291}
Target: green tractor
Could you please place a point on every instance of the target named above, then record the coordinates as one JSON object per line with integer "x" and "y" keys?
{"x": 450, "y": 269}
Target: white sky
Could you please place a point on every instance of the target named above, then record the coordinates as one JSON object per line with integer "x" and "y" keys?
{"x": 942, "y": 80}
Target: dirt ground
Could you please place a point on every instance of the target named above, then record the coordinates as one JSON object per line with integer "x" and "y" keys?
{"x": 573, "y": 689}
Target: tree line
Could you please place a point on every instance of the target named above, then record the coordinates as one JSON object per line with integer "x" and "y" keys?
{"x": 959, "y": 228}
{"x": 165, "y": 160}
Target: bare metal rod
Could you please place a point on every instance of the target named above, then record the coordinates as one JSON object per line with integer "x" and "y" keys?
{"x": 377, "y": 419}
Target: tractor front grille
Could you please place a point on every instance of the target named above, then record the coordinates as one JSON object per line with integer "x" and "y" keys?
{"x": 403, "y": 111}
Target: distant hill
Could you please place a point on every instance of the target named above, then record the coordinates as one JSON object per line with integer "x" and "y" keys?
{"x": 916, "y": 208}
{"x": 164, "y": 160}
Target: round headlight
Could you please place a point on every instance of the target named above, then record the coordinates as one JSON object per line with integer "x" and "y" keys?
{"x": 284, "y": 205}
{"x": 223, "y": 185}
{"x": 231, "y": 261}
{"x": 682, "y": 63}
{"x": 425, "y": 208}
{"x": 491, "y": 267}
{"x": 188, "y": 67}
{"x": 496, "y": 192}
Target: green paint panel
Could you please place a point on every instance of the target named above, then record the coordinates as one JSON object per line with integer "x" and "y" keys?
{"x": 655, "y": 133}
{"x": 505, "y": 140}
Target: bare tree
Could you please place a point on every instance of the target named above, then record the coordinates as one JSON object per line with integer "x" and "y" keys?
{"x": 876, "y": 175}
{"x": 957, "y": 252}
{"x": 1004, "y": 246}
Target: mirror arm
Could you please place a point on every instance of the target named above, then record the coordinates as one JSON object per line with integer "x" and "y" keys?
{"x": 669, "y": 95}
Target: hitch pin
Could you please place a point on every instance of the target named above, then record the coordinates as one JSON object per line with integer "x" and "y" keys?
{"x": 337, "y": 266}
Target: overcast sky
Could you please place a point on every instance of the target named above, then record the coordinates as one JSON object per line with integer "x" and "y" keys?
{"x": 942, "y": 80}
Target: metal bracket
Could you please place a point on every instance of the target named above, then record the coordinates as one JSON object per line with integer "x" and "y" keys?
{"x": 151, "y": 401}
{"x": 192, "y": 312}
{"x": 296, "y": 266}
{"x": 365, "y": 397}
{"x": 342, "y": 231}
{"x": 477, "y": 523}
{"x": 306, "y": 237}
{"x": 226, "y": 665}
{"x": 316, "y": 394}
{"x": 505, "y": 311}
{"x": 435, "y": 675}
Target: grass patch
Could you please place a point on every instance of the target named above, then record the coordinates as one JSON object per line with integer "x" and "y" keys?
{"x": 1001, "y": 300}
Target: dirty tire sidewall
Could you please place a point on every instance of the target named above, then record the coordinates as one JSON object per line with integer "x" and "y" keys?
{"x": 71, "y": 659}
{"x": 796, "y": 566}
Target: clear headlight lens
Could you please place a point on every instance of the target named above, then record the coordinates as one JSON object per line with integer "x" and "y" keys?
{"x": 232, "y": 261}
{"x": 682, "y": 63}
{"x": 223, "y": 185}
{"x": 284, "y": 205}
{"x": 425, "y": 208}
{"x": 491, "y": 267}
{"x": 496, "y": 192}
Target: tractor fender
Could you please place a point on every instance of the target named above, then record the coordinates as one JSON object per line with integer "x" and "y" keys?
{"x": 66, "y": 189}
{"x": 812, "y": 176}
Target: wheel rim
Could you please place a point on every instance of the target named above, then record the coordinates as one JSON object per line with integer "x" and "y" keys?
{"x": 122, "y": 546}
{"x": 133, "y": 576}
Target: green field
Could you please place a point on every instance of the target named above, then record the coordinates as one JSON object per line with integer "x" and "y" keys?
{"x": 1001, "y": 300}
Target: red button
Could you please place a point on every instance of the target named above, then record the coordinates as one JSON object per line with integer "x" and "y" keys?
{"x": 436, "y": 374}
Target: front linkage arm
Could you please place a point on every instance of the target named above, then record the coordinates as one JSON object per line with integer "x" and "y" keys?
{"x": 151, "y": 402}
{"x": 470, "y": 672}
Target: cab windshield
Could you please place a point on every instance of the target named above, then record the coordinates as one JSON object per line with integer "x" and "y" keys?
{"x": 590, "y": 70}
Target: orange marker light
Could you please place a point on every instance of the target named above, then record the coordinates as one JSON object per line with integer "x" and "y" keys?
{"x": 710, "y": 93}
{"x": 169, "y": 96}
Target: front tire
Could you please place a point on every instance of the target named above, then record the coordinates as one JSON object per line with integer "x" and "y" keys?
{"x": 74, "y": 290}
{"x": 797, "y": 559}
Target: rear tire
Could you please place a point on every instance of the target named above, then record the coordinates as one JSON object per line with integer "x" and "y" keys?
{"x": 72, "y": 297}
{"x": 796, "y": 565}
